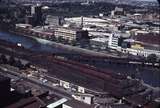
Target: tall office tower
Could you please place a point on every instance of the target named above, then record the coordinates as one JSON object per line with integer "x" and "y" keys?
{"x": 38, "y": 15}
{"x": 36, "y": 12}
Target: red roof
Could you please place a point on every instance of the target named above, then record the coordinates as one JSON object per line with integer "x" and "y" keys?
{"x": 148, "y": 38}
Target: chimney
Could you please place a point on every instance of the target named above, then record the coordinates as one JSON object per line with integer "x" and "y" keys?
{"x": 81, "y": 21}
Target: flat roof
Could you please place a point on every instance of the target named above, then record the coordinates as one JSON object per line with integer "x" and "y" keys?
{"x": 31, "y": 102}
{"x": 100, "y": 33}
{"x": 103, "y": 40}
{"x": 78, "y": 104}
{"x": 57, "y": 103}
{"x": 87, "y": 19}
{"x": 84, "y": 94}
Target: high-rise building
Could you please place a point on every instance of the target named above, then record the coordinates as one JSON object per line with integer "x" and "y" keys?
{"x": 113, "y": 41}
{"x": 36, "y": 13}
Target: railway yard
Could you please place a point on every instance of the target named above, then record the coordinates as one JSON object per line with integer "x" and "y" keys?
{"x": 97, "y": 81}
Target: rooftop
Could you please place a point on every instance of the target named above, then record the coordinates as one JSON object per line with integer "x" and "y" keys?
{"x": 31, "y": 102}
{"x": 86, "y": 19}
{"x": 77, "y": 104}
{"x": 103, "y": 40}
{"x": 104, "y": 34}
{"x": 148, "y": 38}
{"x": 120, "y": 106}
{"x": 57, "y": 103}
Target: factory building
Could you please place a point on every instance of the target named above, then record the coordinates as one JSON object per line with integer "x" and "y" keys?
{"x": 142, "y": 44}
{"x": 39, "y": 32}
{"x": 100, "y": 43}
{"x": 111, "y": 40}
{"x": 65, "y": 33}
{"x": 71, "y": 34}
{"x": 54, "y": 20}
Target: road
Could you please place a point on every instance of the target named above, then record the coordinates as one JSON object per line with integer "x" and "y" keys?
{"x": 57, "y": 91}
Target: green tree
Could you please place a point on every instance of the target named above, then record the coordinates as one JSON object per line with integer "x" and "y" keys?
{"x": 3, "y": 59}
{"x": 159, "y": 62}
{"x": 59, "y": 39}
{"x": 12, "y": 61}
{"x": 152, "y": 58}
{"x": 73, "y": 42}
{"x": 19, "y": 64}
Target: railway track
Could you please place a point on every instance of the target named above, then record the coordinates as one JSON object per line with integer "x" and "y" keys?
{"x": 116, "y": 85}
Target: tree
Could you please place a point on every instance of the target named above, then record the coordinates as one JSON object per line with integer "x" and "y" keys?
{"x": 19, "y": 64}
{"x": 28, "y": 65}
{"x": 73, "y": 42}
{"x": 12, "y": 61}
{"x": 3, "y": 59}
{"x": 159, "y": 62}
{"x": 152, "y": 58}
{"x": 59, "y": 39}
{"x": 54, "y": 38}
{"x": 66, "y": 41}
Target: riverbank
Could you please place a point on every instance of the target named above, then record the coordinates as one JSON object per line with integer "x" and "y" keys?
{"x": 68, "y": 48}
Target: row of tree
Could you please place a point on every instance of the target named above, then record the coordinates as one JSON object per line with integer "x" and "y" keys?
{"x": 13, "y": 62}
{"x": 152, "y": 58}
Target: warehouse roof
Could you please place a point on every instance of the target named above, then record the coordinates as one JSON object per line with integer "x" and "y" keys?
{"x": 103, "y": 40}
{"x": 77, "y": 104}
{"x": 148, "y": 38}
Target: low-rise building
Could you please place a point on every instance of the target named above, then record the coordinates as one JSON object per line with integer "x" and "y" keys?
{"x": 71, "y": 34}
{"x": 23, "y": 26}
{"x": 145, "y": 44}
{"x": 81, "y": 89}
{"x": 100, "y": 43}
{"x": 54, "y": 20}
{"x": 76, "y": 104}
{"x": 64, "y": 84}
{"x": 85, "y": 98}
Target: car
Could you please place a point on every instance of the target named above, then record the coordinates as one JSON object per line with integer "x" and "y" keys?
{"x": 45, "y": 80}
